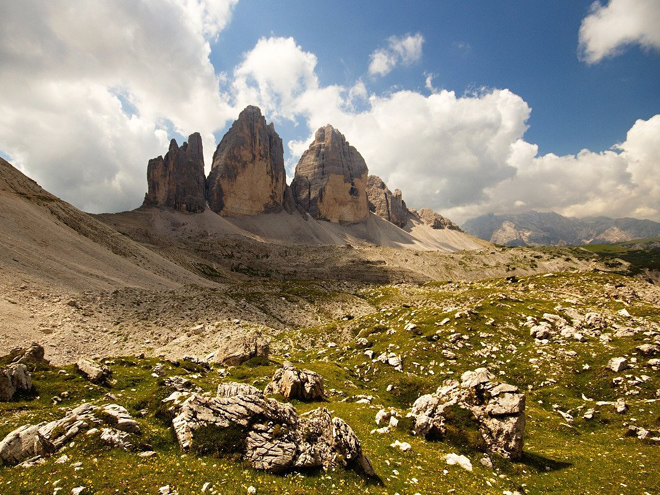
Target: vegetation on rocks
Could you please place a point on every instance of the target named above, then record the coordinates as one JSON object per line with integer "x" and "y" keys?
{"x": 575, "y": 440}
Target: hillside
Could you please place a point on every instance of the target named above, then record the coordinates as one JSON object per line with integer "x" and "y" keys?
{"x": 551, "y": 229}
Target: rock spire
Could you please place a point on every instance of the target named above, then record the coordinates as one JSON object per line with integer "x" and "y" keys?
{"x": 331, "y": 179}
{"x": 247, "y": 176}
{"x": 177, "y": 181}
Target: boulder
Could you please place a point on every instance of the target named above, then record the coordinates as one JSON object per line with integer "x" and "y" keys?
{"x": 30, "y": 356}
{"x": 268, "y": 434}
{"x": 119, "y": 418}
{"x": 294, "y": 383}
{"x": 386, "y": 204}
{"x": 247, "y": 176}
{"x": 618, "y": 364}
{"x": 93, "y": 371}
{"x": 434, "y": 220}
{"x": 24, "y": 443}
{"x": 240, "y": 349}
{"x": 116, "y": 438}
{"x": 29, "y": 441}
{"x": 497, "y": 409}
{"x": 14, "y": 378}
{"x": 331, "y": 179}
{"x": 177, "y": 181}
{"x": 232, "y": 389}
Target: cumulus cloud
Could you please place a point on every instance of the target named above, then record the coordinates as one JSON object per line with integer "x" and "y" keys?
{"x": 610, "y": 28}
{"x": 400, "y": 50}
{"x": 91, "y": 93}
{"x": 463, "y": 155}
{"x": 91, "y": 90}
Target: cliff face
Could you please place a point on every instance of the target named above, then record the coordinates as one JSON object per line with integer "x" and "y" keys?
{"x": 331, "y": 179}
{"x": 434, "y": 220}
{"x": 177, "y": 181}
{"x": 386, "y": 204}
{"x": 247, "y": 176}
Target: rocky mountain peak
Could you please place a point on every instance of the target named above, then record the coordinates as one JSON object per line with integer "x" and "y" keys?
{"x": 177, "y": 180}
{"x": 331, "y": 179}
{"x": 247, "y": 176}
{"x": 434, "y": 220}
{"x": 385, "y": 203}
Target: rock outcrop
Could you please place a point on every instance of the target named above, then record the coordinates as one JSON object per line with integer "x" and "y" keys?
{"x": 386, "y": 204}
{"x": 247, "y": 176}
{"x": 497, "y": 411}
{"x": 434, "y": 220}
{"x": 30, "y": 441}
{"x": 29, "y": 356}
{"x": 93, "y": 371}
{"x": 240, "y": 349}
{"x": 177, "y": 181}
{"x": 14, "y": 378}
{"x": 293, "y": 383}
{"x": 269, "y": 434}
{"x": 331, "y": 179}
{"x": 232, "y": 389}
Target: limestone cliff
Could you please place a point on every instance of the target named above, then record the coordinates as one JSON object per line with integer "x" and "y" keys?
{"x": 386, "y": 204}
{"x": 247, "y": 176}
{"x": 177, "y": 181}
{"x": 434, "y": 220}
{"x": 331, "y": 179}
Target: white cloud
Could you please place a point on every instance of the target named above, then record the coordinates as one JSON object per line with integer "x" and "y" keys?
{"x": 609, "y": 28}
{"x": 273, "y": 75}
{"x": 89, "y": 87}
{"x": 400, "y": 50}
{"x": 461, "y": 155}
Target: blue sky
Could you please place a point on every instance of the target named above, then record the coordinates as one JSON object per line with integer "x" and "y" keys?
{"x": 468, "y": 107}
{"x": 528, "y": 47}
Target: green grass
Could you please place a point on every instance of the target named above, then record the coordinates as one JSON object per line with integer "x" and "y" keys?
{"x": 559, "y": 457}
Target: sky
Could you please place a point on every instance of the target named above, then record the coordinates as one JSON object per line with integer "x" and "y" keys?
{"x": 468, "y": 107}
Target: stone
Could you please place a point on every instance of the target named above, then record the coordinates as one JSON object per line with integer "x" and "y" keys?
{"x": 23, "y": 443}
{"x": 179, "y": 383}
{"x": 618, "y": 364}
{"x": 270, "y": 435}
{"x": 241, "y": 349}
{"x": 93, "y": 371}
{"x": 541, "y": 332}
{"x": 48, "y": 437}
{"x": 434, "y": 220}
{"x": 498, "y": 410}
{"x": 233, "y": 389}
{"x": 386, "y": 204}
{"x": 177, "y": 181}
{"x": 330, "y": 180}
{"x": 119, "y": 418}
{"x": 30, "y": 356}
{"x": 648, "y": 349}
{"x": 14, "y": 378}
{"x": 116, "y": 438}
{"x": 247, "y": 175}
{"x": 621, "y": 406}
{"x": 458, "y": 460}
{"x": 294, "y": 383}
{"x": 402, "y": 446}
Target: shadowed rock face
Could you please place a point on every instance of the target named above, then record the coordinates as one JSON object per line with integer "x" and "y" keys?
{"x": 247, "y": 176}
{"x": 331, "y": 179}
{"x": 177, "y": 181}
{"x": 386, "y": 204}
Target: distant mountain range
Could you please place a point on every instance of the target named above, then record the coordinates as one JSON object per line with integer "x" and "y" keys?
{"x": 551, "y": 229}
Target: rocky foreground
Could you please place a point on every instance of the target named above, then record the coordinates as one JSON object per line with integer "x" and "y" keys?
{"x": 529, "y": 385}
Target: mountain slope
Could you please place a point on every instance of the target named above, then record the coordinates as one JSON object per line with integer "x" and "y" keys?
{"x": 551, "y": 229}
{"x": 45, "y": 238}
